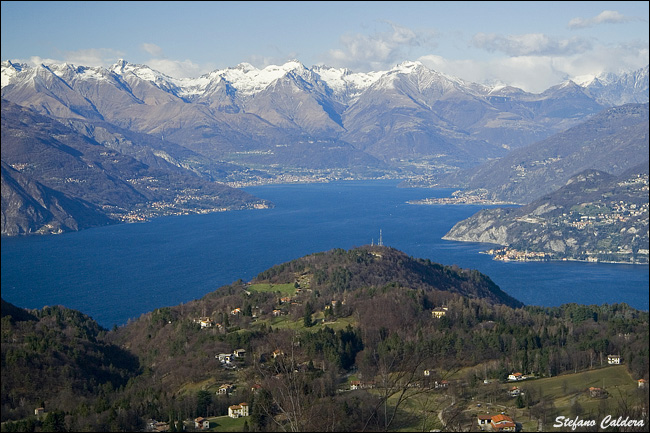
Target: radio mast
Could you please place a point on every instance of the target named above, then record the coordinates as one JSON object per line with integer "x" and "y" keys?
{"x": 381, "y": 241}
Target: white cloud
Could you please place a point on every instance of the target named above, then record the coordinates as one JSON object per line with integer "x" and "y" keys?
{"x": 89, "y": 57}
{"x": 177, "y": 68}
{"x": 92, "y": 57}
{"x": 171, "y": 67}
{"x": 530, "y": 44}
{"x": 152, "y": 49}
{"x": 377, "y": 51}
{"x": 611, "y": 17}
{"x": 36, "y": 60}
{"x": 538, "y": 73}
{"x": 530, "y": 73}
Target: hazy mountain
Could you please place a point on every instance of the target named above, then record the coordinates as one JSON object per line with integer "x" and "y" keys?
{"x": 629, "y": 87}
{"x": 255, "y": 117}
{"x": 55, "y": 179}
{"x": 595, "y": 216}
{"x": 612, "y": 141}
{"x": 31, "y": 208}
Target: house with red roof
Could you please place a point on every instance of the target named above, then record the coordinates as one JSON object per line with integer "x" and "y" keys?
{"x": 502, "y": 423}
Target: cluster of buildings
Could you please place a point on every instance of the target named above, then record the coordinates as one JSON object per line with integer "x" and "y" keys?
{"x": 207, "y": 322}
{"x": 479, "y": 196}
{"x": 357, "y": 384}
{"x": 228, "y": 358}
{"x": 507, "y": 254}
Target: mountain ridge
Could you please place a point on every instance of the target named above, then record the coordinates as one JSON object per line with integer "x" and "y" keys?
{"x": 244, "y": 125}
{"x": 228, "y": 113}
{"x": 55, "y": 179}
{"x": 614, "y": 140}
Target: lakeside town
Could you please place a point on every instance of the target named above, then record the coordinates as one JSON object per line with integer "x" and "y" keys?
{"x": 479, "y": 196}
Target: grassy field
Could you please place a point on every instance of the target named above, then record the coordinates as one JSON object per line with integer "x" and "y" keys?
{"x": 567, "y": 393}
{"x": 609, "y": 378}
{"x": 571, "y": 392}
{"x": 285, "y": 322}
{"x": 282, "y": 289}
{"x": 225, "y": 423}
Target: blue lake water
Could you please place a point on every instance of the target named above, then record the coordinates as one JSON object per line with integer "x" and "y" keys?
{"x": 120, "y": 272}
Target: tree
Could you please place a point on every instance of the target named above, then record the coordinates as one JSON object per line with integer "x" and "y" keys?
{"x": 520, "y": 402}
{"x": 203, "y": 401}
{"x": 54, "y": 421}
{"x": 399, "y": 366}
{"x": 307, "y": 320}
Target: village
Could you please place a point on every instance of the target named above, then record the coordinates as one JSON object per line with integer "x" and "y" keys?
{"x": 599, "y": 219}
{"x": 462, "y": 197}
{"x": 507, "y": 254}
{"x": 495, "y": 414}
{"x": 491, "y": 415}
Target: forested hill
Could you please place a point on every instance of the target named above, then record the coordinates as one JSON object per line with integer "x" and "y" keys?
{"x": 58, "y": 358}
{"x": 337, "y": 272}
{"x": 297, "y": 337}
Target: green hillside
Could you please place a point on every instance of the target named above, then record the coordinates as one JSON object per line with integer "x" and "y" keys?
{"x": 339, "y": 340}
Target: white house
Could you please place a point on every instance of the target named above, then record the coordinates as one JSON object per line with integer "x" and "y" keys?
{"x": 205, "y": 322}
{"x": 224, "y": 358}
{"x": 516, "y": 376}
{"x": 614, "y": 359}
{"x": 439, "y": 312}
{"x": 237, "y": 410}
{"x": 440, "y": 385}
{"x": 226, "y": 389}
{"x": 483, "y": 420}
{"x": 201, "y": 423}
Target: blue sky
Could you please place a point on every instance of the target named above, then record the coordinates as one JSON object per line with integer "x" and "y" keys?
{"x": 532, "y": 45}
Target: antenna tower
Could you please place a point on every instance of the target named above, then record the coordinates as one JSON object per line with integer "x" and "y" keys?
{"x": 381, "y": 241}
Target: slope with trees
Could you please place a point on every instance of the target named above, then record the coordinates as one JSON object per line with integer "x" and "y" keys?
{"x": 310, "y": 330}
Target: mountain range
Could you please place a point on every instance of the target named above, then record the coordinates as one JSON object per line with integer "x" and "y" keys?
{"x": 317, "y": 117}
{"x": 55, "y": 179}
{"x": 141, "y": 144}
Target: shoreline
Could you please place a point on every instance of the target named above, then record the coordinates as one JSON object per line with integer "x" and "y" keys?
{"x": 496, "y": 257}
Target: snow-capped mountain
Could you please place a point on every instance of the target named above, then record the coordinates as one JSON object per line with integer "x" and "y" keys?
{"x": 611, "y": 89}
{"x": 128, "y": 138}
{"x": 294, "y": 113}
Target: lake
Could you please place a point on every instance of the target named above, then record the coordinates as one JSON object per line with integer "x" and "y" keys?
{"x": 120, "y": 272}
